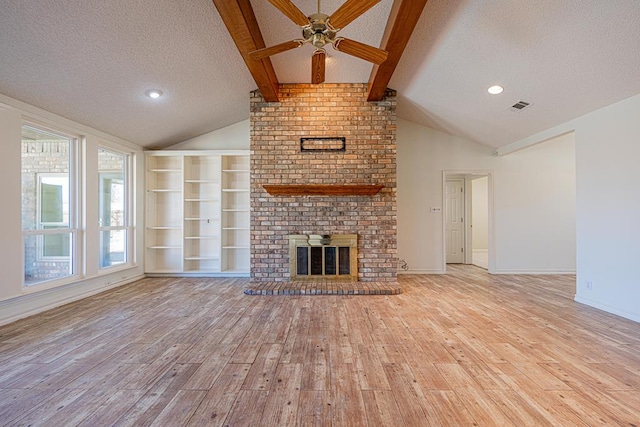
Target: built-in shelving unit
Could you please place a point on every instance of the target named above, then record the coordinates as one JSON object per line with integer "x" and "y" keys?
{"x": 197, "y": 213}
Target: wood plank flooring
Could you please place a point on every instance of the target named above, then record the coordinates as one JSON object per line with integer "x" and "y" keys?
{"x": 462, "y": 349}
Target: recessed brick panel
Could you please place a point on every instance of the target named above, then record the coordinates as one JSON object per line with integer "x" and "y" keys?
{"x": 328, "y": 110}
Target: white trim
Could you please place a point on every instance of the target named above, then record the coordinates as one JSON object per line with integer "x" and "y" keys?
{"x": 607, "y": 308}
{"x": 536, "y": 272}
{"x": 26, "y": 305}
{"x": 209, "y": 153}
{"x": 209, "y": 274}
{"x": 429, "y": 271}
{"x": 75, "y": 202}
{"x": 128, "y": 188}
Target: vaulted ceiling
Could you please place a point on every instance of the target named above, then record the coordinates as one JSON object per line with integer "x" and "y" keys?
{"x": 92, "y": 61}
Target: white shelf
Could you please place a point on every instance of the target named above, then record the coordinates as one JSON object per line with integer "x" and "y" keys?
{"x": 235, "y": 190}
{"x": 164, "y": 227}
{"x": 235, "y": 171}
{"x": 201, "y": 200}
{"x": 201, "y": 237}
{"x": 202, "y": 258}
{"x": 164, "y": 190}
{"x": 165, "y": 247}
{"x": 164, "y": 170}
{"x": 201, "y": 181}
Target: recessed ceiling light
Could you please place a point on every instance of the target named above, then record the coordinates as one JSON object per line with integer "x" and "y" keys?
{"x": 154, "y": 93}
{"x": 494, "y": 90}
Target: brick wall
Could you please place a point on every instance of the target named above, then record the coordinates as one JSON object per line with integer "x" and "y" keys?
{"x": 335, "y": 110}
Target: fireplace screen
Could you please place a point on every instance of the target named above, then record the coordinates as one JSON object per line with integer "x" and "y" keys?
{"x": 316, "y": 256}
{"x": 323, "y": 260}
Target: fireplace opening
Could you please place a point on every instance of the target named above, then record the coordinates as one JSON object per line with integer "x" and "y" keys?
{"x": 332, "y": 257}
{"x": 323, "y": 261}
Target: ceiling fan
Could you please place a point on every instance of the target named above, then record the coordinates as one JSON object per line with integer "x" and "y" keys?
{"x": 320, "y": 30}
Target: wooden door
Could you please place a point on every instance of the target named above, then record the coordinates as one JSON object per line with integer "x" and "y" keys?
{"x": 454, "y": 214}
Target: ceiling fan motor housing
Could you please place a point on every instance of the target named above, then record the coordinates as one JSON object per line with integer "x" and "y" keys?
{"x": 318, "y": 32}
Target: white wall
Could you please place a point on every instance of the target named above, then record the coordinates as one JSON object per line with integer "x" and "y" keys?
{"x": 607, "y": 205}
{"x": 17, "y": 301}
{"x": 480, "y": 213}
{"x": 233, "y": 137}
{"x": 11, "y": 216}
{"x": 533, "y": 200}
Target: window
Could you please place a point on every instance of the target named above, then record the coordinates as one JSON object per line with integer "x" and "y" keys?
{"x": 48, "y": 205}
{"x": 113, "y": 217}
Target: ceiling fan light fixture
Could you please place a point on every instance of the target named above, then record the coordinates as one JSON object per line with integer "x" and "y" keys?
{"x": 495, "y": 90}
{"x": 319, "y": 40}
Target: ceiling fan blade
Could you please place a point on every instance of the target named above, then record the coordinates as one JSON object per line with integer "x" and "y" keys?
{"x": 349, "y": 11}
{"x": 291, "y": 11}
{"x": 361, "y": 50}
{"x": 273, "y": 50}
{"x": 317, "y": 66}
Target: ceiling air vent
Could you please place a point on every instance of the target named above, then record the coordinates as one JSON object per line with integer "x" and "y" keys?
{"x": 520, "y": 105}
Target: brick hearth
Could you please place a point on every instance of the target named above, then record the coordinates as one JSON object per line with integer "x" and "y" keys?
{"x": 322, "y": 288}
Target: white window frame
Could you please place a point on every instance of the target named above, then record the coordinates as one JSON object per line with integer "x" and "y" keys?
{"x": 75, "y": 256}
{"x": 128, "y": 213}
{"x": 59, "y": 227}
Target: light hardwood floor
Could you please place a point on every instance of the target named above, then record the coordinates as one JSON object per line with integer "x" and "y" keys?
{"x": 461, "y": 349}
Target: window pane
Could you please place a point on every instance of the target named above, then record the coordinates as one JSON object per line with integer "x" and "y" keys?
{"x": 51, "y": 202}
{"x": 111, "y": 191}
{"x": 38, "y": 268}
{"x": 55, "y": 245}
{"x": 113, "y": 244}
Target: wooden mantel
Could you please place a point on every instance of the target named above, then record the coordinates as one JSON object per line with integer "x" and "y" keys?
{"x": 323, "y": 190}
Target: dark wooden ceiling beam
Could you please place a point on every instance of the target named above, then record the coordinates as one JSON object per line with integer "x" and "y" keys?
{"x": 241, "y": 23}
{"x": 402, "y": 20}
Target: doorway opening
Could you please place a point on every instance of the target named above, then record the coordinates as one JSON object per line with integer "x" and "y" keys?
{"x": 468, "y": 219}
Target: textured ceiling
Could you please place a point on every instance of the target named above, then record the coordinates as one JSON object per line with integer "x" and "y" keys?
{"x": 91, "y": 61}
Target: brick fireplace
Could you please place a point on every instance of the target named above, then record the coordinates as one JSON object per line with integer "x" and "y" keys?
{"x": 369, "y": 157}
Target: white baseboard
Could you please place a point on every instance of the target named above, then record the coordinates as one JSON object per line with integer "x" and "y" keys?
{"x": 439, "y": 271}
{"x": 421, "y": 271}
{"x": 608, "y": 308}
{"x": 33, "y": 303}
{"x": 534, "y": 272}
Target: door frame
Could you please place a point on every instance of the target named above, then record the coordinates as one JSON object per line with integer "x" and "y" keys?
{"x": 465, "y": 174}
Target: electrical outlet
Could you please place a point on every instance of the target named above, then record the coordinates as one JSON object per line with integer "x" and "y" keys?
{"x": 589, "y": 285}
